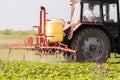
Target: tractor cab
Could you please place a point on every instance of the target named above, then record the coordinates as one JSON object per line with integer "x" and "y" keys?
{"x": 103, "y": 11}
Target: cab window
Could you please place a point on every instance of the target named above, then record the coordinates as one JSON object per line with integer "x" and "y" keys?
{"x": 110, "y": 12}
{"x": 91, "y": 15}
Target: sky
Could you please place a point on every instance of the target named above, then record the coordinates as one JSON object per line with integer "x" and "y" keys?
{"x": 23, "y": 14}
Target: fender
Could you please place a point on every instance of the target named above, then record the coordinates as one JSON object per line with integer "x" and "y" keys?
{"x": 67, "y": 27}
{"x": 90, "y": 24}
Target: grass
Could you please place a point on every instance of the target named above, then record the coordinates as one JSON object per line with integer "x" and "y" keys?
{"x": 9, "y": 34}
{"x": 28, "y": 55}
{"x": 8, "y": 37}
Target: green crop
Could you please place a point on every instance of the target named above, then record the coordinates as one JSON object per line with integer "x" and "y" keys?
{"x": 56, "y": 71}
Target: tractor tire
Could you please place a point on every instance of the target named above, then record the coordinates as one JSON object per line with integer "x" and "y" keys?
{"x": 91, "y": 44}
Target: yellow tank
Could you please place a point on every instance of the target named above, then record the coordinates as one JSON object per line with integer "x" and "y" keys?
{"x": 55, "y": 30}
{"x": 54, "y": 27}
{"x": 55, "y": 37}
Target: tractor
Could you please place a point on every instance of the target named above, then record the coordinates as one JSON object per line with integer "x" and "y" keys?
{"x": 80, "y": 39}
{"x": 94, "y": 40}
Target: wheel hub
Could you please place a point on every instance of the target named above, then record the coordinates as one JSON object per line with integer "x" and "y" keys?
{"x": 92, "y": 48}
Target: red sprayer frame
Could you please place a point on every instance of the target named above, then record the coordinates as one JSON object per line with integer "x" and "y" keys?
{"x": 41, "y": 39}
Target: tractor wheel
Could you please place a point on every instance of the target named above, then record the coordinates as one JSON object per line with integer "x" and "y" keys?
{"x": 91, "y": 44}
